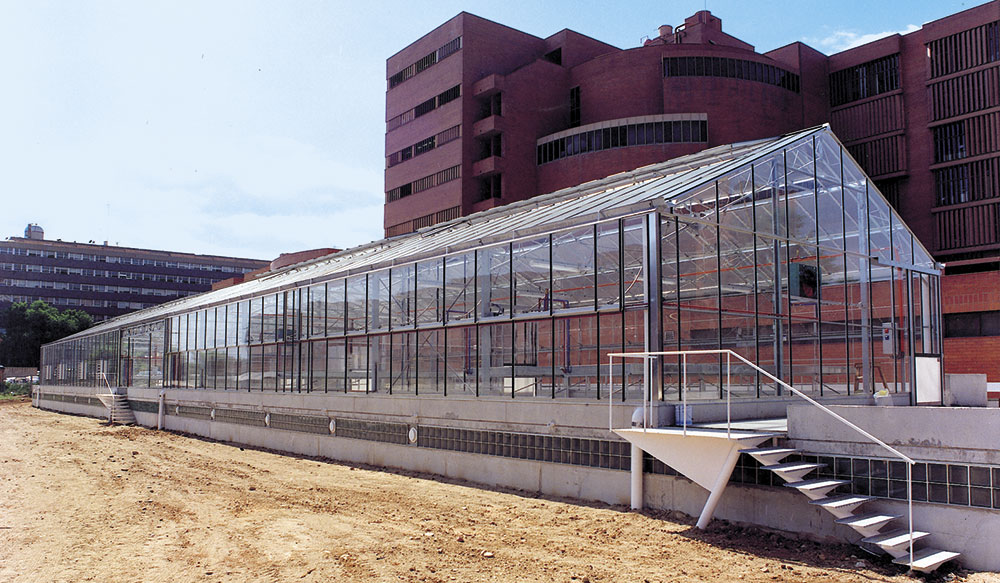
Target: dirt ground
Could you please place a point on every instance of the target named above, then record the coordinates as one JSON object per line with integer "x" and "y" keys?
{"x": 80, "y": 501}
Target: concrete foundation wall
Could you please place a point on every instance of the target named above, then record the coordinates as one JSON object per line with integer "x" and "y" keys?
{"x": 969, "y": 530}
{"x": 942, "y": 434}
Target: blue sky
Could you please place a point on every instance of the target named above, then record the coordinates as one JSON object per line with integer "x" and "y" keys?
{"x": 255, "y": 128}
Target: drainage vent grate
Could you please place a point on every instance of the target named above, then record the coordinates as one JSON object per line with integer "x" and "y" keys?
{"x": 301, "y": 423}
{"x": 373, "y": 430}
{"x": 145, "y": 406}
{"x": 241, "y": 417}
{"x": 192, "y": 412}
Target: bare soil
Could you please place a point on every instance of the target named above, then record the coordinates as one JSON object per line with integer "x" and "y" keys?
{"x": 81, "y": 501}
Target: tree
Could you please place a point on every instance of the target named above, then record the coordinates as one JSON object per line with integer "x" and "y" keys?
{"x": 31, "y": 326}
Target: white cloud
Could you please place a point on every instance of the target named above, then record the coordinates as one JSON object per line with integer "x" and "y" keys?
{"x": 841, "y": 40}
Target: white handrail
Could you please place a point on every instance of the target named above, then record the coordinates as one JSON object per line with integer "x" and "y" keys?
{"x": 647, "y": 397}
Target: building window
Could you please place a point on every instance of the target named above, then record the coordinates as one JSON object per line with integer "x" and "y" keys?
{"x": 491, "y": 146}
{"x": 965, "y": 50}
{"x": 978, "y": 180}
{"x": 864, "y": 80}
{"x": 490, "y": 106}
{"x": 663, "y": 132}
{"x": 446, "y": 175}
{"x": 424, "y": 108}
{"x": 423, "y": 146}
{"x": 949, "y": 142}
{"x": 489, "y": 187}
{"x": 732, "y": 69}
{"x": 574, "y": 107}
{"x": 425, "y": 62}
{"x": 972, "y": 324}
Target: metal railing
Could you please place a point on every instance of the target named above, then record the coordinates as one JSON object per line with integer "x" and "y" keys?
{"x": 647, "y": 407}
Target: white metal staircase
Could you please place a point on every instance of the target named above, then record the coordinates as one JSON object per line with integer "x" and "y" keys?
{"x": 873, "y": 527}
{"x": 119, "y": 410}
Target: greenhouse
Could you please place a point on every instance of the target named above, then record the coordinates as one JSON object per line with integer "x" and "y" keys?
{"x": 780, "y": 249}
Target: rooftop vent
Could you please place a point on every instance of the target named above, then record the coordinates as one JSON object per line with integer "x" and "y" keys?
{"x": 33, "y": 231}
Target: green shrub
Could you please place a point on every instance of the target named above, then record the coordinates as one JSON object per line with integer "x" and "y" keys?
{"x": 15, "y": 388}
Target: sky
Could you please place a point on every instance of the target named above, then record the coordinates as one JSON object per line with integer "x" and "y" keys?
{"x": 250, "y": 129}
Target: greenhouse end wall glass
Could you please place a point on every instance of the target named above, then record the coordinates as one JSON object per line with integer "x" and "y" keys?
{"x": 781, "y": 250}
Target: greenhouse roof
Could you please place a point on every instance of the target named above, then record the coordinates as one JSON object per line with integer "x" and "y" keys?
{"x": 656, "y": 186}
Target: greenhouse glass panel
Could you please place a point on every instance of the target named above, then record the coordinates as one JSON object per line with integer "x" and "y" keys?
{"x": 736, "y": 202}
{"x": 530, "y": 261}
{"x": 256, "y": 322}
{"x": 769, "y": 186}
{"x": 460, "y": 287}
{"x": 573, "y": 270}
{"x": 634, "y": 337}
{"x": 576, "y": 357}
{"x": 736, "y": 270}
{"x": 379, "y": 362}
{"x": 430, "y": 292}
{"x": 378, "y": 301}
{"x": 317, "y": 366}
{"x": 317, "y": 299}
{"x": 336, "y": 307}
{"x": 493, "y": 282}
{"x": 879, "y": 227}
{"x": 496, "y": 359}
{"x": 431, "y": 361}
{"x": 698, "y": 248}
{"x": 608, "y": 278}
{"x": 404, "y": 363}
{"x": 245, "y": 373}
{"x": 461, "y": 361}
{"x": 402, "y": 296}
{"x": 533, "y": 358}
{"x": 700, "y": 203}
{"x": 357, "y": 364}
{"x": 357, "y": 301}
{"x": 336, "y": 365}
{"x": 801, "y": 192}
{"x": 855, "y": 209}
{"x": 829, "y": 193}
{"x": 902, "y": 241}
{"x": 633, "y": 253}
{"x": 269, "y": 318}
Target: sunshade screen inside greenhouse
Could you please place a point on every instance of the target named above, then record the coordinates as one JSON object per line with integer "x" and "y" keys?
{"x": 780, "y": 250}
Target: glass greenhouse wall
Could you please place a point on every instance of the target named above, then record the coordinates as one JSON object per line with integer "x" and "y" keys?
{"x": 780, "y": 250}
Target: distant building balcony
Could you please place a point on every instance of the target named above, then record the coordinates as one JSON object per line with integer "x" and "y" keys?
{"x": 486, "y": 166}
{"x": 487, "y": 126}
{"x": 487, "y": 85}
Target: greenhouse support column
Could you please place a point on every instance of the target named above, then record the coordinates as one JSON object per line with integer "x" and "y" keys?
{"x": 653, "y": 315}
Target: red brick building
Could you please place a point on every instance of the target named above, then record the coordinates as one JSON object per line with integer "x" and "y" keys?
{"x": 479, "y": 115}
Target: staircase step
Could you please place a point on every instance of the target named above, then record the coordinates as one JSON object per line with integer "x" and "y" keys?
{"x": 841, "y": 506}
{"x": 816, "y": 489}
{"x": 896, "y": 542}
{"x": 926, "y": 560}
{"x": 868, "y": 524}
{"x": 793, "y": 471}
{"x": 769, "y": 455}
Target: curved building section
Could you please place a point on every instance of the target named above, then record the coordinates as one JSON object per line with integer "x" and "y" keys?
{"x": 481, "y": 115}
{"x": 608, "y": 147}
